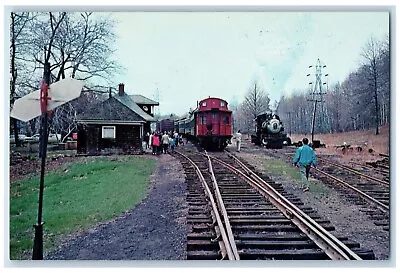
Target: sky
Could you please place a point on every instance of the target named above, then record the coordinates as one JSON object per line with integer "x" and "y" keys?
{"x": 179, "y": 58}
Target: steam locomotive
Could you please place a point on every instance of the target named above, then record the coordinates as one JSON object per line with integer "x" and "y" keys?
{"x": 270, "y": 131}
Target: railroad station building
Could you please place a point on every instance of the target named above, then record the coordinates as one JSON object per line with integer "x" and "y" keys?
{"x": 115, "y": 125}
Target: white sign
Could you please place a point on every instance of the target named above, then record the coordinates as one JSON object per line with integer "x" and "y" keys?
{"x": 28, "y": 107}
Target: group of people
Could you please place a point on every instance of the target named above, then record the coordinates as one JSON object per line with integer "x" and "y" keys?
{"x": 304, "y": 158}
{"x": 162, "y": 143}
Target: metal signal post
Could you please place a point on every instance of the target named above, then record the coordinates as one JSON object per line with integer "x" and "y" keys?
{"x": 38, "y": 240}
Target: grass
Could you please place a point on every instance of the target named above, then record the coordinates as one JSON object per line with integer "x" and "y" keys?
{"x": 281, "y": 168}
{"x": 76, "y": 197}
{"x": 285, "y": 170}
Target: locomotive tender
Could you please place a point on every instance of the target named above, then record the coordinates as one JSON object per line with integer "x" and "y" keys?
{"x": 210, "y": 124}
{"x": 270, "y": 131}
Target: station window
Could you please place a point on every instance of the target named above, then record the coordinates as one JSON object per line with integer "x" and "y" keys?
{"x": 204, "y": 103}
{"x": 108, "y": 132}
{"x": 214, "y": 115}
{"x": 203, "y": 120}
{"x": 222, "y": 103}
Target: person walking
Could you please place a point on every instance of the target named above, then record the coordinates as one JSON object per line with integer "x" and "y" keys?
{"x": 155, "y": 143}
{"x": 238, "y": 138}
{"x": 148, "y": 140}
{"x": 151, "y": 141}
{"x": 172, "y": 144}
{"x": 181, "y": 140}
{"x": 304, "y": 158}
{"x": 176, "y": 138}
{"x": 165, "y": 142}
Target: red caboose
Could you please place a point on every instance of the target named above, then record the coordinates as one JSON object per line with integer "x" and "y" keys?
{"x": 213, "y": 123}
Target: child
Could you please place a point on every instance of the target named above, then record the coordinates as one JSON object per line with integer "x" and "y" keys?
{"x": 171, "y": 144}
{"x": 181, "y": 140}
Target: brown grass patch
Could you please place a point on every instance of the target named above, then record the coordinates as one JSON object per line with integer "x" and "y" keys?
{"x": 371, "y": 145}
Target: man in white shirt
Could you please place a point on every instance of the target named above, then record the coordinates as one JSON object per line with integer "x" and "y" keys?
{"x": 238, "y": 138}
{"x": 165, "y": 142}
{"x": 176, "y": 138}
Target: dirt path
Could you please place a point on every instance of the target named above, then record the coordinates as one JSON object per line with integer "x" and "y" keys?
{"x": 154, "y": 230}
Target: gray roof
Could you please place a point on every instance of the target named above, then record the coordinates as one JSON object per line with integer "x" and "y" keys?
{"x": 110, "y": 110}
{"x": 139, "y": 99}
{"x": 127, "y": 101}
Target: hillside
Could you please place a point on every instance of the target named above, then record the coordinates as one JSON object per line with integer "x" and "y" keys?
{"x": 365, "y": 140}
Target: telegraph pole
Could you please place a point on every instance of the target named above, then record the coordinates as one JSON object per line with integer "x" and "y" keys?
{"x": 316, "y": 91}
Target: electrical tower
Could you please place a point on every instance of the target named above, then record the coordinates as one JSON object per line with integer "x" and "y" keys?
{"x": 317, "y": 91}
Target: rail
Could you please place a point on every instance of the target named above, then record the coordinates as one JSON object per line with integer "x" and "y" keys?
{"x": 384, "y": 183}
{"x": 226, "y": 244}
{"x": 223, "y": 211}
{"x": 335, "y": 249}
{"x": 370, "y": 199}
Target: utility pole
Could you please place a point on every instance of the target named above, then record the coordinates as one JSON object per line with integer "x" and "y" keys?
{"x": 316, "y": 91}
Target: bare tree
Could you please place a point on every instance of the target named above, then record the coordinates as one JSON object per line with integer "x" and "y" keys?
{"x": 255, "y": 102}
{"x": 384, "y": 82}
{"x": 75, "y": 44}
{"x": 334, "y": 99}
{"x": 301, "y": 112}
{"x": 370, "y": 54}
{"x": 64, "y": 118}
{"x": 84, "y": 49}
{"x": 17, "y": 26}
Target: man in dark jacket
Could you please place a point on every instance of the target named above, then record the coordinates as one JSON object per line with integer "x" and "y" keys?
{"x": 305, "y": 157}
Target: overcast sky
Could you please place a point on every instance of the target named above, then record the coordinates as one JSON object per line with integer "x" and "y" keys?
{"x": 188, "y": 56}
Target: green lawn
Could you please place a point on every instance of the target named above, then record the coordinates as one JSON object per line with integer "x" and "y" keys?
{"x": 76, "y": 197}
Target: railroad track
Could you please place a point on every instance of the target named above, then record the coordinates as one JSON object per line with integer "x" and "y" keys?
{"x": 236, "y": 214}
{"x": 368, "y": 168}
{"x": 372, "y": 194}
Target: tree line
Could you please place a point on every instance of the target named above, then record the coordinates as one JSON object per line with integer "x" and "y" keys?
{"x": 360, "y": 102}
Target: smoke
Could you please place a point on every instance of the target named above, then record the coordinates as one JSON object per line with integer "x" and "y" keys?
{"x": 279, "y": 65}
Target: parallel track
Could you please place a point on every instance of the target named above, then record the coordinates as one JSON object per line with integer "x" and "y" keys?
{"x": 363, "y": 189}
{"x": 259, "y": 219}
